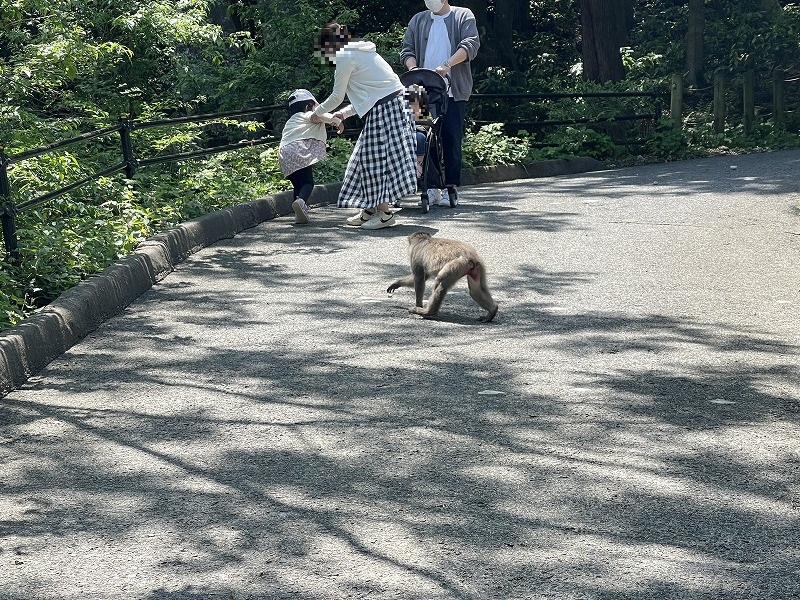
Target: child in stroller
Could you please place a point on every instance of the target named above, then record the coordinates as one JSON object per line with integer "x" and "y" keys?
{"x": 417, "y": 99}
{"x": 426, "y": 92}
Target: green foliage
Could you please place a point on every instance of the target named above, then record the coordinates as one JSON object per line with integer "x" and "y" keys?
{"x": 281, "y": 56}
{"x": 332, "y": 168}
{"x": 667, "y": 142}
{"x": 489, "y": 146}
{"x": 578, "y": 140}
{"x": 737, "y": 36}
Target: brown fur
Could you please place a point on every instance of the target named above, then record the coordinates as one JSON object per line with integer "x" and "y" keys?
{"x": 446, "y": 261}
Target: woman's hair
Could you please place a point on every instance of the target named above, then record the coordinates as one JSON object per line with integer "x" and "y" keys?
{"x": 332, "y": 37}
{"x": 301, "y": 107}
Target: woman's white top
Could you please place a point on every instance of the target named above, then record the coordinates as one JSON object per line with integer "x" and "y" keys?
{"x": 363, "y": 76}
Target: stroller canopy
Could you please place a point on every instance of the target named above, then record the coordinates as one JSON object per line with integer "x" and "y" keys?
{"x": 435, "y": 85}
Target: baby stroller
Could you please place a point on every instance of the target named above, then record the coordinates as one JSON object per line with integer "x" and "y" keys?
{"x": 437, "y": 88}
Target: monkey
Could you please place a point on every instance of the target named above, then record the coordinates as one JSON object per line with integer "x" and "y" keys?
{"x": 446, "y": 261}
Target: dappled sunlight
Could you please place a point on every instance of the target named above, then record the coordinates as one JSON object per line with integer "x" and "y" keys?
{"x": 267, "y": 421}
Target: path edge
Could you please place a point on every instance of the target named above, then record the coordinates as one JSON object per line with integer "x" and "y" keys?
{"x": 29, "y": 347}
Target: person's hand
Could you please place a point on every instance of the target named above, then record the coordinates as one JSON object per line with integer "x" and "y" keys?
{"x": 338, "y": 123}
{"x": 443, "y": 70}
{"x": 339, "y": 115}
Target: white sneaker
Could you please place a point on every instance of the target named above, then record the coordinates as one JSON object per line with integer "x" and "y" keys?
{"x": 380, "y": 221}
{"x": 434, "y": 196}
{"x": 359, "y": 219}
{"x": 300, "y": 211}
{"x": 445, "y": 201}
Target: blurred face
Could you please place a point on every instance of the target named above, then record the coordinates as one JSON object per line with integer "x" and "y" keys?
{"x": 434, "y": 5}
{"x": 326, "y": 56}
{"x": 338, "y": 38}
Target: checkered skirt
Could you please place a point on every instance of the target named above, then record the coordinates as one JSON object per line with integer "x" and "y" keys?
{"x": 382, "y": 167}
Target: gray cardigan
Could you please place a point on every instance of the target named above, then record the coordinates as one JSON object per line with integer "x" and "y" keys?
{"x": 463, "y": 32}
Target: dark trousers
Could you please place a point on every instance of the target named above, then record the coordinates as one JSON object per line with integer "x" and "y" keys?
{"x": 302, "y": 182}
{"x": 452, "y": 134}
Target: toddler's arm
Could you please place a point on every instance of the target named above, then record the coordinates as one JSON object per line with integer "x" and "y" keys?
{"x": 328, "y": 118}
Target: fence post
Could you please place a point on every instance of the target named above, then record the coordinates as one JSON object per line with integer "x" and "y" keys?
{"x": 676, "y": 100}
{"x": 127, "y": 146}
{"x": 749, "y": 101}
{"x": 778, "y": 100}
{"x": 657, "y": 99}
{"x": 719, "y": 102}
{"x": 7, "y": 210}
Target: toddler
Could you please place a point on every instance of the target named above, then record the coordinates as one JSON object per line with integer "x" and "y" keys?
{"x": 303, "y": 144}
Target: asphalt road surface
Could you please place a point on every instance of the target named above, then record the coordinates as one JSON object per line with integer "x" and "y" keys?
{"x": 268, "y": 423}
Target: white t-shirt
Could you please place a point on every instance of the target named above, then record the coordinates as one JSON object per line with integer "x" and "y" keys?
{"x": 438, "y": 49}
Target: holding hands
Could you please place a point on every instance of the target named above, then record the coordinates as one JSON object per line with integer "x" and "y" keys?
{"x": 337, "y": 121}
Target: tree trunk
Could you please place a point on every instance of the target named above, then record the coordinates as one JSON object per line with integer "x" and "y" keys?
{"x": 497, "y": 27}
{"x": 603, "y": 27}
{"x": 694, "y": 43}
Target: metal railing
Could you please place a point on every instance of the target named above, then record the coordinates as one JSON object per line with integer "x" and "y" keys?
{"x": 129, "y": 163}
{"x": 654, "y": 97}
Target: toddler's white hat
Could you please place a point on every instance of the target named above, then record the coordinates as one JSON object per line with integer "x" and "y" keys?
{"x": 301, "y": 95}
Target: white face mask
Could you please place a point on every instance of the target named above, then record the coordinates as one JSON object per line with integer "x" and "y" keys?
{"x": 434, "y": 5}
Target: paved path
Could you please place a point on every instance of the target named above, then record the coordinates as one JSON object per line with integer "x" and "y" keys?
{"x": 267, "y": 423}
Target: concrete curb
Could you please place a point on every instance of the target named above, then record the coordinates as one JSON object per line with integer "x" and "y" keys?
{"x": 30, "y": 346}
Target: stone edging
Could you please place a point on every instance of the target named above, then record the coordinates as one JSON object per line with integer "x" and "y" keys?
{"x": 28, "y": 347}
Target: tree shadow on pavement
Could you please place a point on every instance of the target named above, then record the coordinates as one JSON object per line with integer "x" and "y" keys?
{"x": 333, "y": 470}
{"x": 255, "y": 428}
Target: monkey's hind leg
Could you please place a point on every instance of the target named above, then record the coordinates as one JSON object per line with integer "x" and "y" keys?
{"x": 476, "y": 282}
{"x": 447, "y": 277}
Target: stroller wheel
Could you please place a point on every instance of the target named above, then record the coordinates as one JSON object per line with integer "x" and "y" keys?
{"x": 425, "y": 203}
{"x": 452, "y": 193}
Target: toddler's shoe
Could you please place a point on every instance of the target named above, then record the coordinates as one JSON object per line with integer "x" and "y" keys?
{"x": 300, "y": 211}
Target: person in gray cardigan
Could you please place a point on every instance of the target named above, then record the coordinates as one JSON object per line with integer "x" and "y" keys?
{"x": 445, "y": 39}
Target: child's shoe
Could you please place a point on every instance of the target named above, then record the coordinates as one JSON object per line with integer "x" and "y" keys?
{"x": 300, "y": 211}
